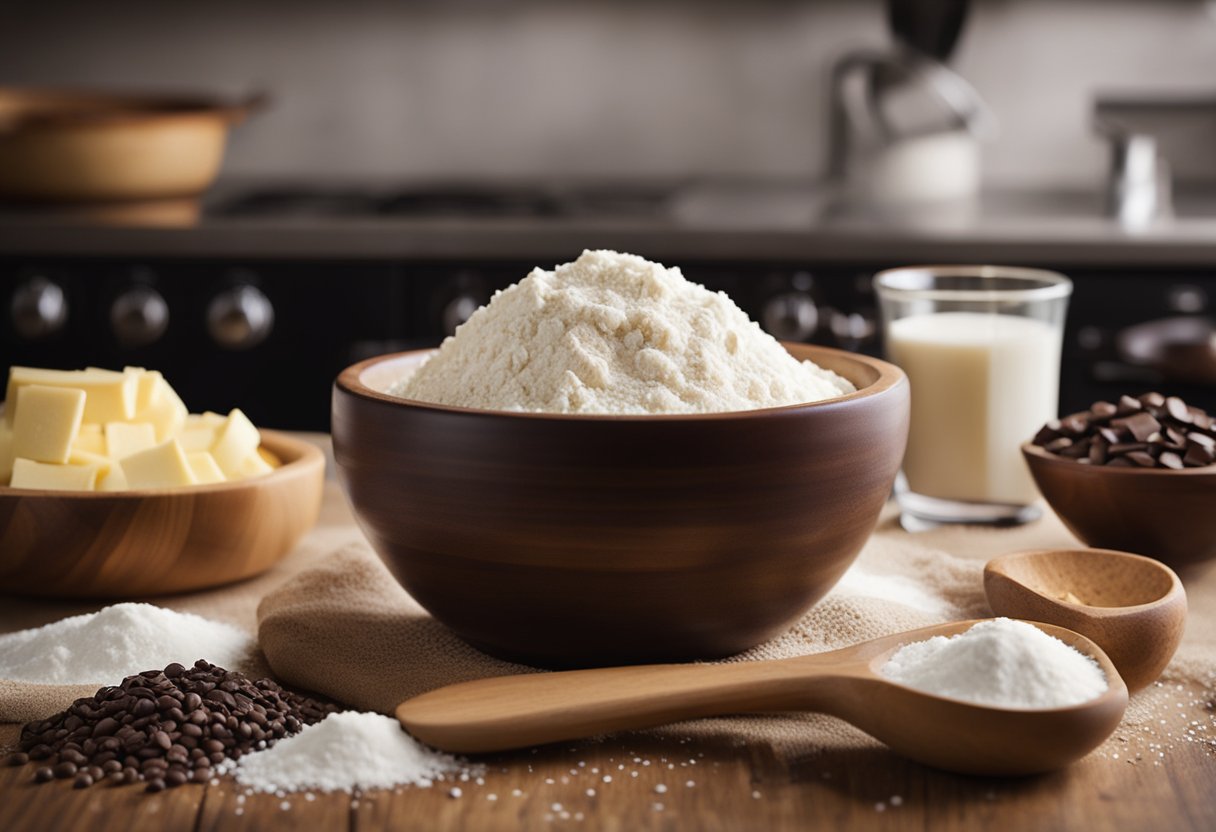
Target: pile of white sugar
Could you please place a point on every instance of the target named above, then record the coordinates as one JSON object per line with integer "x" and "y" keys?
{"x": 1003, "y": 663}
{"x": 344, "y": 752}
{"x": 106, "y": 646}
{"x": 614, "y": 334}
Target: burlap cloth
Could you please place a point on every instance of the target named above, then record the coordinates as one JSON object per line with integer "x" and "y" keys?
{"x": 332, "y": 620}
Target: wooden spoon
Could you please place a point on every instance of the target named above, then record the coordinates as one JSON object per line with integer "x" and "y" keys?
{"x": 520, "y": 711}
{"x": 1133, "y": 607}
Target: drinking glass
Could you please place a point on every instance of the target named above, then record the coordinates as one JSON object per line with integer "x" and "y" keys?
{"x": 981, "y": 348}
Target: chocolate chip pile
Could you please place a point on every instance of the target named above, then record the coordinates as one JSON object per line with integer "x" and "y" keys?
{"x": 165, "y": 727}
{"x": 1151, "y": 431}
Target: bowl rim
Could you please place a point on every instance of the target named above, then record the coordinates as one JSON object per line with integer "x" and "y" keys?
{"x": 1032, "y": 451}
{"x": 307, "y": 455}
{"x": 889, "y": 377}
{"x": 1098, "y": 552}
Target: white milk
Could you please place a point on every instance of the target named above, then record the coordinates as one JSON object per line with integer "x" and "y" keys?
{"x": 981, "y": 386}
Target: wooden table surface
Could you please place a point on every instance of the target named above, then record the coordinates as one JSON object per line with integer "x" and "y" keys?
{"x": 647, "y": 781}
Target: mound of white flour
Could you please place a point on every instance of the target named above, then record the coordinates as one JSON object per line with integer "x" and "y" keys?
{"x": 614, "y": 333}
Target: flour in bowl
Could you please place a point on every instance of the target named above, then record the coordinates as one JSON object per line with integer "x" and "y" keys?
{"x": 615, "y": 334}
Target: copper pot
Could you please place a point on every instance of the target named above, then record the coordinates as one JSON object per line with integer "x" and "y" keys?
{"x": 77, "y": 146}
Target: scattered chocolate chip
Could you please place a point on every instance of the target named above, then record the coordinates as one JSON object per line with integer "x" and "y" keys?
{"x": 17, "y": 758}
{"x": 44, "y": 775}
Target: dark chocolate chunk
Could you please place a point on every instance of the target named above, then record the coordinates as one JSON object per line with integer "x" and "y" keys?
{"x": 1177, "y": 408}
{"x": 1169, "y": 459}
{"x": 1141, "y": 425}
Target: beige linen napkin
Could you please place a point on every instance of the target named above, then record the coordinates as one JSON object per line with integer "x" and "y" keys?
{"x": 346, "y": 629}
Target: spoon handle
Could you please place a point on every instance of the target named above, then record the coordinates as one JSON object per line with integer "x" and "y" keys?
{"x": 520, "y": 711}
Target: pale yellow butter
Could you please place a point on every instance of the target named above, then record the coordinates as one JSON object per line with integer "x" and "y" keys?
{"x": 47, "y": 420}
{"x": 198, "y": 438}
{"x": 207, "y": 417}
{"x": 202, "y": 464}
{"x": 30, "y": 474}
{"x": 235, "y": 442}
{"x": 6, "y": 453}
{"x": 109, "y": 474}
{"x": 110, "y": 395}
{"x": 126, "y": 438}
{"x": 255, "y": 466}
{"x": 163, "y": 466}
{"x": 91, "y": 438}
{"x": 163, "y": 407}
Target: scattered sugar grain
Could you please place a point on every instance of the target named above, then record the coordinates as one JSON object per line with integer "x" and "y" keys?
{"x": 118, "y": 641}
{"x": 345, "y": 751}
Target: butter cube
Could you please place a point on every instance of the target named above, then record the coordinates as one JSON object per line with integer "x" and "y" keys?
{"x": 145, "y": 386}
{"x": 6, "y": 453}
{"x": 202, "y": 464}
{"x": 159, "y": 404}
{"x": 255, "y": 466}
{"x": 271, "y": 458}
{"x": 91, "y": 438}
{"x": 126, "y": 438}
{"x": 30, "y": 474}
{"x": 109, "y": 474}
{"x": 235, "y": 441}
{"x": 197, "y": 438}
{"x": 162, "y": 466}
{"x": 110, "y": 395}
{"x": 208, "y": 417}
{"x": 47, "y": 420}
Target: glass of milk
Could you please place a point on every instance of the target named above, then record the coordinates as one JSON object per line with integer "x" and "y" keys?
{"x": 981, "y": 347}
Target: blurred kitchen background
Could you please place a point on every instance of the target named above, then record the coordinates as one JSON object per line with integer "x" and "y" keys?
{"x": 402, "y": 160}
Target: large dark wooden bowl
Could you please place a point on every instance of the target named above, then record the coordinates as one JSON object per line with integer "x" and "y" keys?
{"x": 131, "y": 544}
{"x": 562, "y": 540}
{"x": 1162, "y": 513}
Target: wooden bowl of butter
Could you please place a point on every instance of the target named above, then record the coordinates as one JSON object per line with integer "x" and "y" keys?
{"x": 109, "y": 488}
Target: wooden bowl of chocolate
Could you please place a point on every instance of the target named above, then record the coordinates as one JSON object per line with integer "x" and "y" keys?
{"x": 563, "y": 540}
{"x": 1136, "y": 475}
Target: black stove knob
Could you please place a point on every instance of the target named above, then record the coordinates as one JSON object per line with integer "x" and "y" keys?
{"x": 39, "y": 308}
{"x": 457, "y": 311}
{"x": 240, "y": 318}
{"x": 790, "y": 316}
{"x": 139, "y": 317}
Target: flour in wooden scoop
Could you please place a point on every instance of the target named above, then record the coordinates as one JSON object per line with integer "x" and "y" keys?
{"x": 615, "y": 334}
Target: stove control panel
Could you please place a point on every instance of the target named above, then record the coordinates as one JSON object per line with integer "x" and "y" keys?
{"x": 270, "y": 336}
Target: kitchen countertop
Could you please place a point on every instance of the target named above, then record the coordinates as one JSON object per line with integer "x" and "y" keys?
{"x": 764, "y": 222}
{"x": 712, "y": 781}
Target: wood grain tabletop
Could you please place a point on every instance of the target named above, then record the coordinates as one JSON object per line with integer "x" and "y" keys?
{"x": 707, "y": 782}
